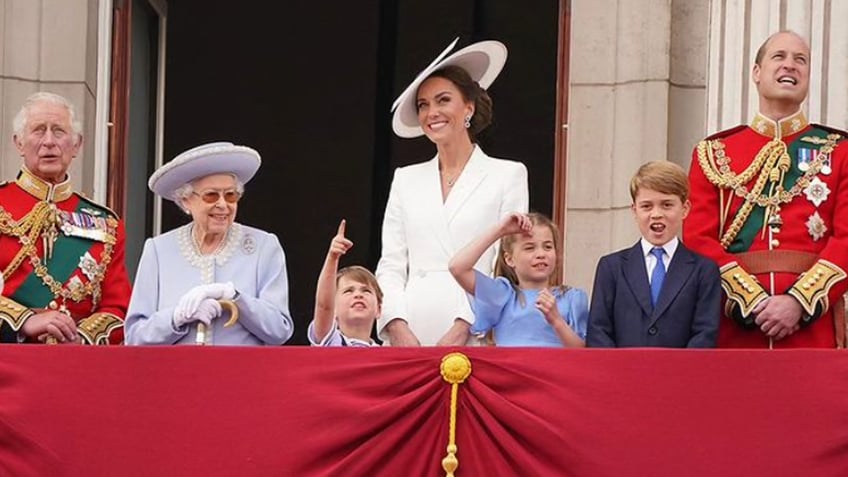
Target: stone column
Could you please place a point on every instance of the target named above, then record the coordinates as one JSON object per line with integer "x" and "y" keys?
{"x": 738, "y": 27}
{"x": 618, "y": 119}
{"x": 48, "y": 45}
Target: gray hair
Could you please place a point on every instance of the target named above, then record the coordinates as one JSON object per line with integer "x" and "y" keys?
{"x": 184, "y": 191}
{"x": 19, "y": 123}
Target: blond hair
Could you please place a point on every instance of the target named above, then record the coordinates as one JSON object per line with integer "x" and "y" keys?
{"x": 508, "y": 243}
{"x": 361, "y": 275}
{"x": 661, "y": 176}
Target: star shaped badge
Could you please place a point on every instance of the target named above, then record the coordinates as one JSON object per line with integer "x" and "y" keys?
{"x": 817, "y": 191}
{"x": 816, "y": 226}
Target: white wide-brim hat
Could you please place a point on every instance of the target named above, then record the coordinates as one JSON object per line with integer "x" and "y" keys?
{"x": 202, "y": 161}
{"x": 483, "y": 61}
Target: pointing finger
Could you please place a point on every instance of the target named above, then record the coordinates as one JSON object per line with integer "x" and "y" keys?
{"x": 341, "y": 230}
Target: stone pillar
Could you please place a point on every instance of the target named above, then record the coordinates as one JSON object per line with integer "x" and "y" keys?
{"x": 618, "y": 119}
{"x": 48, "y": 45}
{"x": 738, "y": 27}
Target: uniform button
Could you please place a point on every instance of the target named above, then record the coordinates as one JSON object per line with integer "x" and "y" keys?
{"x": 652, "y": 330}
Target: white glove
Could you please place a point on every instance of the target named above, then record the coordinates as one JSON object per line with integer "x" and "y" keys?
{"x": 189, "y": 302}
{"x": 208, "y": 310}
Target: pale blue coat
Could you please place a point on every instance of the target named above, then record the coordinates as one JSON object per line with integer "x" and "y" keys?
{"x": 170, "y": 266}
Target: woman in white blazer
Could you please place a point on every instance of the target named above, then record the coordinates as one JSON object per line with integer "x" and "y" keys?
{"x": 437, "y": 207}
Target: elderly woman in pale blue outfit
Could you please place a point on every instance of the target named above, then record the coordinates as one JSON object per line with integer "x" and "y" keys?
{"x": 185, "y": 275}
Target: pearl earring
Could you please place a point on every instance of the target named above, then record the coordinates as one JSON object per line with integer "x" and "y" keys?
{"x": 468, "y": 121}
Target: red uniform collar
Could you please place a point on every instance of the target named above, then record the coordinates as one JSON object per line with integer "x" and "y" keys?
{"x": 43, "y": 190}
{"x": 781, "y": 128}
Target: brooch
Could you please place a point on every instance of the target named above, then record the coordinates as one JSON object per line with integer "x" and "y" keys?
{"x": 248, "y": 244}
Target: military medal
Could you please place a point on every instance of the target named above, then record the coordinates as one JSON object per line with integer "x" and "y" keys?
{"x": 817, "y": 191}
{"x": 816, "y": 226}
{"x": 825, "y": 168}
{"x": 805, "y": 157}
{"x": 80, "y": 224}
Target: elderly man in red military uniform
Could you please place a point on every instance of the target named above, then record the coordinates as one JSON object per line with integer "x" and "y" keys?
{"x": 61, "y": 255}
{"x": 770, "y": 205}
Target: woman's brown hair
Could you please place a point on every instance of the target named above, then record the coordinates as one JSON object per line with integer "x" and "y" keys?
{"x": 471, "y": 92}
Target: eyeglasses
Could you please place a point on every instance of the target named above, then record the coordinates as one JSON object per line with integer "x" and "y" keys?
{"x": 213, "y": 196}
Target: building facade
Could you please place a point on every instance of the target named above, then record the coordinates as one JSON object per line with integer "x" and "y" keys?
{"x": 647, "y": 80}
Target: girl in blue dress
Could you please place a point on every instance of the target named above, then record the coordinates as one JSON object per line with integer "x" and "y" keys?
{"x": 523, "y": 305}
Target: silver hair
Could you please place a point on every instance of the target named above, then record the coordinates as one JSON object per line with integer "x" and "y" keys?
{"x": 19, "y": 123}
{"x": 184, "y": 191}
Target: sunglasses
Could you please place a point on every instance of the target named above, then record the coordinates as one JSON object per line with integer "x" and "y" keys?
{"x": 212, "y": 196}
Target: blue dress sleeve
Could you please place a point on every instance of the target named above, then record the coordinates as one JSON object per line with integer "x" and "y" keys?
{"x": 490, "y": 298}
{"x": 576, "y": 311}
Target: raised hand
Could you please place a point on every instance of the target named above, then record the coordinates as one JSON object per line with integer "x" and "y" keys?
{"x": 514, "y": 223}
{"x": 340, "y": 244}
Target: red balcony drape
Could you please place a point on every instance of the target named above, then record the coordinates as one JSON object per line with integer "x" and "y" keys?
{"x": 213, "y": 411}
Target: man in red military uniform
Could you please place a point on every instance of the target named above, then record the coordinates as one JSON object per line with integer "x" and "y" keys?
{"x": 770, "y": 205}
{"x": 61, "y": 255}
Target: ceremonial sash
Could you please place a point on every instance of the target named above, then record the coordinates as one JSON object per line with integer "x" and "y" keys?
{"x": 33, "y": 293}
{"x": 754, "y": 225}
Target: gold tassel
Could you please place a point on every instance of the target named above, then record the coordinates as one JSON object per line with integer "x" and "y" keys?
{"x": 455, "y": 368}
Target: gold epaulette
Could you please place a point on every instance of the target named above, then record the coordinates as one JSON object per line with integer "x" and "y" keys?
{"x": 14, "y": 313}
{"x": 812, "y": 288}
{"x": 95, "y": 329}
{"x": 741, "y": 288}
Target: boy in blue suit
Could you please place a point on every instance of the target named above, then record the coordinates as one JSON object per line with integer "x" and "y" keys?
{"x": 657, "y": 293}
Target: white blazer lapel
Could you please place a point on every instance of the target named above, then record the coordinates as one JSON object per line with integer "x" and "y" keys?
{"x": 430, "y": 185}
{"x": 471, "y": 178}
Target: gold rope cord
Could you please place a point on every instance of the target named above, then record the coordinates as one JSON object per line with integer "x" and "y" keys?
{"x": 771, "y": 162}
{"x": 455, "y": 369}
{"x": 27, "y": 230}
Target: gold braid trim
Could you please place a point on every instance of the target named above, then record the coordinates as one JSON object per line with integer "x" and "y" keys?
{"x": 741, "y": 288}
{"x": 771, "y": 162}
{"x": 812, "y": 288}
{"x": 14, "y": 313}
{"x": 95, "y": 329}
{"x": 28, "y": 229}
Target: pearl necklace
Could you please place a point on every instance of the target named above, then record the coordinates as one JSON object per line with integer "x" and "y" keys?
{"x": 199, "y": 247}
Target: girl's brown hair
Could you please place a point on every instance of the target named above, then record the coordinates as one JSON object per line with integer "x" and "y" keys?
{"x": 507, "y": 244}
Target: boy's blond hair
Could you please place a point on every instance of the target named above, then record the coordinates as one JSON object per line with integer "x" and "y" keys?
{"x": 661, "y": 176}
{"x": 361, "y": 275}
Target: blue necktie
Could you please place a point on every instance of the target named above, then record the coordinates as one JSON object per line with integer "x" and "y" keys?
{"x": 658, "y": 275}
